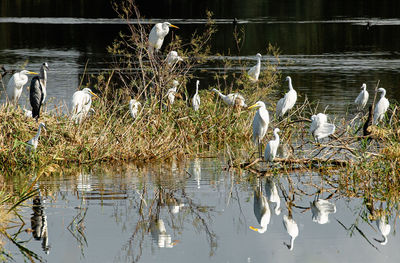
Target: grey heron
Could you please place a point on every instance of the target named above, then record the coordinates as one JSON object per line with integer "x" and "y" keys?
{"x": 37, "y": 92}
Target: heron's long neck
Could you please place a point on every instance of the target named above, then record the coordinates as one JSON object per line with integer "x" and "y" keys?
{"x": 38, "y": 132}
{"x": 219, "y": 93}
{"x": 383, "y": 94}
{"x": 276, "y": 136}
{"x": 291, "y": 243}
{"x": 197, "y": 88}
{"x": 290, "y": 84}
{"x": 43, "y": 75}
{"x": 258, "y": 62}
{"x": 384, "y": 240}
{"x": 277, "y": 207}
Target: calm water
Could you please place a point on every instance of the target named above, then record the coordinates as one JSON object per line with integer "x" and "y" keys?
{"x": 111, "y": 215}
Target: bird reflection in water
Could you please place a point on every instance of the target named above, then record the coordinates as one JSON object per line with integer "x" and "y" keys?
{"x": 292, "y": 229}
{"x": 39, "y": 224}
{"x": 384, "y": 228}
{"x": 321, "y": 209}
{"x": 272, "y": 195}
{"x": 159, "y": 234}
{"x": 261, "y": 210}
{"x": 196, "y": 171}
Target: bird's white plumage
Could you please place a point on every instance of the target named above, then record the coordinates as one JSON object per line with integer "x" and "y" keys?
{"x": 292, "y": 229}
{"x": 381, "y": 107}
{"x": 16, "y": 84}
{"x": 254, "y": 72}
{"x": 362, "y": 98}
{"x": 157, "y": 35}
{"x": 272, "y": 147}
{"x": 159, "y": 234}
{"x": 273, "y": 195}
{"x": 232, "y": 98}
{"x": 27, "y": 113}
{"x": 33, "y": 143}
{"x": 172, "y": 92}
{"x": 260, "y": 122}
{"x": 320, "y": 128}
{"x": 134, "y": 107}
{"x": 81, "y": 103}
{"x": 321, "y": 209}
{"x": 261, "y": 211}
{"x": 196, "y": 97}
{"x": 384, "y": 228}
{"x": 173, "y": 57}
{"x": 288, "y": 101}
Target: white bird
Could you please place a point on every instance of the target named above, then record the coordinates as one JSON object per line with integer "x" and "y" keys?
{"x": 157, "y": 35}
{"x": 321, "y": 209}
{"x": 231, "y": 99}
{"x": 260, "y": 124}
{"x": 381, "y": 107}
{"x": 288, "y": 101}
{"x": 254, "y": 72}
{"x": 134, "y": 107}
{"x": 272, "y": 147}
{"x": 196, "y": 97}
{"x": 261, "y": 211}
{"x": 172, "y": 92}
{"x": 384, "y": 228}
{"x": 292, "y": 229}
{"x": 159, "y": 234}
{"x": 81, "y": 103}
{"x": 16, "y": 84}
{"x": 362, "y": 98}
{"x": 320, "y": 128}
{"x": 272, "y": 195}
{"x": 196, "y": 171}
{"x": 33, "y": 143}
{"x": 173, "y": 57}
{"x": 27, "y": 113}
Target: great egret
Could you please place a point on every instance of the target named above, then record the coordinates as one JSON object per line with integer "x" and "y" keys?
{"x": 272, "y": 195}
{"x": 292, "y": 229}
{"x": 16, "y": 84}
{"x": 321, "y": 209}
{"x": 33, "y": 143}
{"x": 159, "y": 234}
{"x": 381, "y": 107}
{"x": 37, "y": 92}
{"x": 288, "y": 101}
{"x": 157, "y": 35}
{"x": 81, "y": 103}
{"x": 362, "y": 98}
{"x": 272, "y": 147}
{"x": 261, "y": 211}
{"x": 320, "y": 128}
{"x": 173, "y": 57}
{"x": 134, "y": 107}
{"x": 254, "y": 72}
{"x": 172, "y": 92}
{"x": 260, "y": 124}
{"x": 231, "y": 99}
{"x": 196, "y": 97}
{"x": 384, "y": 228}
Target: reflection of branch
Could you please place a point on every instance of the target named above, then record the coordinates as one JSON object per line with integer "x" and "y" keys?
{"x": 77, "y": 228}
{"x": 359, "y": 231}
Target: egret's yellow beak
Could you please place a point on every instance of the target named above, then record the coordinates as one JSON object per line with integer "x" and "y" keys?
{"x": 94, "y": 94}
{"x": 253, "y": 228}
{"x": 171, "y": 25}
{"x": 33, "y": 73}
{"x": 253, "y": 106}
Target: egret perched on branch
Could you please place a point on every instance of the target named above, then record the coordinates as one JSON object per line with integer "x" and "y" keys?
{"x": 272, "y": 147}
{"x": 261, "y": 210}
{"x": 37, "y": 92}
{"x": 231, "y": 99}
{"x": 381, "y": 107}
{"x": 288, "y": 101}
{"x": 196, "y": 97}
{"x": 254, "y": 72}
{"x": 157, "y": 35}
{"x": 292, "y": 229}
{"x": 384, "y": 228}
{"x": 173, "y": 57}
{"x": 16, "y": 84}
{"x": 260, "y": 124}
{"x": 81, "y": 103}
{"x": 321, "y": 209}
{"x": 362, "y": 98}
{"x": 33, "y": 143}
{"x": 172, "y": 92}
{"x": 134, "y": 107}
{"x": 272, "y": 195}
{"x": 320, "y": 128}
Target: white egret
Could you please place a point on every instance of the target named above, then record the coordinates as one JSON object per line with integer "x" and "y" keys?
{"x": 261, "y": 211}
{"x": 384, "y": 228}
{"x": 172, "y": 92}
{"x": 157, "y": 35}
{"x": 288, "y": 101}
{"x": 362, "y": 98}
{"x": 196, "y": 97}
{"x": 321, "y": 209}
{"x": 37, "y": 92}
{"x": 33, "y": 143}
{"x": 231, "y": 99}
{"x": 16, "y": 84}
{"x": 320, "y": 128}
{"x": 260, "y": 124}
{"x": 380, "y": 107}
{"x": 292, "y": 229}
{"x": 173, "y": 57}
{"x": 159, "y": 234}
{"x": 272, "y": 195}
{"x": 272, "y": 147}
{"x": 254, "y": 72}
{"x": 27, "y": 113}
{"x": 81, "y": 103}
{"x": 134, "y": 107}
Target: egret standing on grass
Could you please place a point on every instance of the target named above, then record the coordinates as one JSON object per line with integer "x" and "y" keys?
{"x": 33, "y": 143}
{"x": 320, "y": 128}
{"x": 231, "y": 99}
{"x": 173, "y": 57}
{"x": 81, "y": 103}
{"x": 254, "y": 72}
{"x": 157, "y": 35}
{"x": 196, "y": 97}
{"x": 381, "y": 107}
{"x": 272, "y": 147}
{"x": 260, "y": 124}
{"x": 134, "y": 107}
{"x": 37, "y": 92}
{"x": 321, "y": 209}
{"x": 292, "y": 229}
{"x": 288, "y": 101}
{"x": 16, "y": 84}
{"x": 362, "y": 98}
